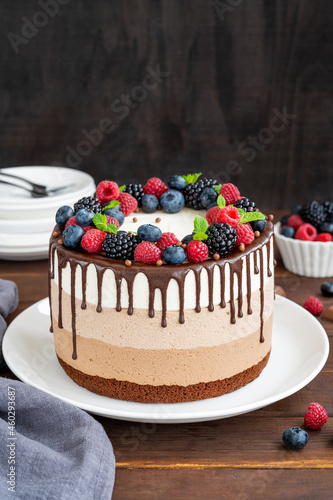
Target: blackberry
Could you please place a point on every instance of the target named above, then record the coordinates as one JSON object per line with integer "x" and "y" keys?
{"x": 328, "y": 211}
{"x": 313, "y": 213}
{"x": 90, "y": 203}
{"x": 221, "y": 238}
{"x": 193, "y": 191}
{"x": 135, "y": 190}
{"x": 120, "y": 246}
{"x": 246, "y": 205}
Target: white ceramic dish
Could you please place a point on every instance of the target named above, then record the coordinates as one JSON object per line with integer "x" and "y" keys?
{"x": 15, "y": 203}
{"x": 9, "y": 226}
{"x": 23, "y": 241}
{"x": 299, "y": 351}
{"x": 34, "y": 253}
{"x": 313, "y": 259}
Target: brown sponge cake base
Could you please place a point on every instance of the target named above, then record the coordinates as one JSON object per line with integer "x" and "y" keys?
{"x": 129, "y": 391}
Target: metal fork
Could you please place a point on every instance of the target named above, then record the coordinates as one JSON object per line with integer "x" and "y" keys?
{"x": 37, "y": 190}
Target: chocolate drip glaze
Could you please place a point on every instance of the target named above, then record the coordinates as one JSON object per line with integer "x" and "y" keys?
{"x": 160, "y": 277}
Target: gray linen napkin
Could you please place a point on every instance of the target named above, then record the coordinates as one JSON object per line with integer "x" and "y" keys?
{"x": 8, "y": 304}
{"x": 56, "y": 451}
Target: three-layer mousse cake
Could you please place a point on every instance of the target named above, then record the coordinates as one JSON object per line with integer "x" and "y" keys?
{"x": 163, "y": 333}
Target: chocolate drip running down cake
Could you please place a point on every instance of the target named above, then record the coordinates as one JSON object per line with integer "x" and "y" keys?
{"x": 162, "y": 333}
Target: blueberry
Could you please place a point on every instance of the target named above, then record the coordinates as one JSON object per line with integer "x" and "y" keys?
{"x": 117, "y": 207}
{"x": 63, "y": 214}
{"x": 258, "y": 225}
{"x": 84, "y": 217}
{"x": 296, "y": 209}
{"x": 211, "y": 205}
{"x": 187, "y": 239}
{"x": 284, "y": 220}
{"x": 327, "y": 289}
{"x": 174, "y": 255}
{"x": 116, "y": 214}
{"x": 177, "y": 182}
{"x": 295, "y": 438}
{"x": 288, "y": 232}
{"x": 327, "y": 227}
{"x": 147, "y": 232}
{"x": 72, "y": 236}
{"x": 172, "y": 201}
{"x": 208, "y": 196}
{"x": 149, "y": 203}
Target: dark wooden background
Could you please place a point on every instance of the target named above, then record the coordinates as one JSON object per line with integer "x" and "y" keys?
{"x": 230, "y": 65}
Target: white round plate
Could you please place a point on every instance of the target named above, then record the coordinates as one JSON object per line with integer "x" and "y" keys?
{"x": 299, "y": 351}
{"x": 34, "y": 253}
{"x": 10, "y": 226}
{"x": 15, "y": 203}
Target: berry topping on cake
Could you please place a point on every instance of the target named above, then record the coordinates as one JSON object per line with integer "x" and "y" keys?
{"x": 107, "y": 191}
{"x": 63, "y": 214}
{"x": 147, "y": 252}
{"x": 135, "y": 190}
{"x": 167, "y": 240}
{"x": 327, "y": 289}
{"x": 72, "y": 236}
{"x": 295, "y": 438}
{"x": 172, "y": 201}
{"x": 258, "y": 225}
{"x": 147, "y": 232}
{"x": 106, "y": 223}
{"x": 306, "y": 232}
{"x": 313, "y": 213}
{"x": 187, "y": 239}
{"x": 230, "y": 193}
{"x": 155, "y": 186}
{"x": 313, "y": 305}
{"x": 177, "y": 182}
{"x": 194, "y": 188}
{"x": 174, "y": 255}
{"x": 245, "y": 234}
{"x": 316, "y": 417}
{"x": 89, "y": 202}
{"x": 72, "y": 222}
{"x": 116, "y": 214}
{"x": 149, "y": 203}
{"x": 127, "y": 203}
{"x": 84, "y": 217}
{"x": 230, "y": 215}
{"x": 120, "y": 246}
{"x": 221, "y": 239}
{"x": 112, "y": 220}
{"x": 208, "y": 197}
{"x": 295, "y": 221}
{"x": 197, "y": 251}
{"x": 212, "y": 214}
{"x": 92, "y": 241}
{"x": 246, "y": 205}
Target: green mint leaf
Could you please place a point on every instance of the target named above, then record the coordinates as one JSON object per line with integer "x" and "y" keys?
{"x": 200, "y": 224}
{"x": 100, "y": 221}
{"x": 111, "y": 228}
{"x": 121, "y": 189}
{"x": 112, "y": 204}
{"x": 191, "y": 178}
{"x": 250, "y": 216}
{"x": 200, "y": 236}
{"x": 220, "y": 201}
{"x": 217, "y": 188}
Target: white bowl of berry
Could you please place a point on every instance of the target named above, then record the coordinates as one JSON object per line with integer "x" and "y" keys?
{"x": 305, "y": 240}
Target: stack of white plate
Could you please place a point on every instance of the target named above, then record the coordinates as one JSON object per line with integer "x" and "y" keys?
{"x": 26, "y": 222}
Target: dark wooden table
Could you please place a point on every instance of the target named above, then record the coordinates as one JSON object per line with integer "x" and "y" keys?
{"x": 238, "y": 458}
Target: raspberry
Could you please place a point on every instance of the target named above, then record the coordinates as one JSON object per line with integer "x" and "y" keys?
{"x": 197, "y": 251}
{"x": 324, "y": 237}
{"x": 230, "y": 193}
{"x": 112, "y": 220}
{"x": 295, "y": 221}
{"x": 315, "y": 417}
{"x": 313, "y": 305}
{"x": 229, "y": 215}
{"x": 166, "y": 240}
{"x": 127, "y": 203}
{"x": 107, "y": 191}
{"x": 306, "y": 232}
{"x": 245, "y": 234}
{"x": 92, "y": 241}
{"x": 72, "y": 222}
{"x": 156, "y": 187}
{"x": 147, "y": 252}
{"x": 211, "y": 215}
